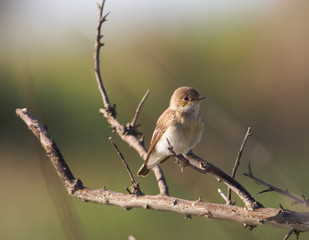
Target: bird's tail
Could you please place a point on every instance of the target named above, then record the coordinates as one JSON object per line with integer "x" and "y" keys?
{"x": 143, "y": 171}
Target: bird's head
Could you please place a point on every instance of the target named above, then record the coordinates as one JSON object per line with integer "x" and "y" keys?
{"x": 185, "y": 99}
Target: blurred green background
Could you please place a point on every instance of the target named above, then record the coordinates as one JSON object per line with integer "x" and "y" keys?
{"x": 249, "y": 58}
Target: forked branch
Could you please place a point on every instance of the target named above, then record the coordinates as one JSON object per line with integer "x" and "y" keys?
{"x": 204, "y": 167}
{"x": 262, "y": 216}
{"x": 271, "y": 188}
{"x": 109, "y": 112}
{"x": 279, "y": 218}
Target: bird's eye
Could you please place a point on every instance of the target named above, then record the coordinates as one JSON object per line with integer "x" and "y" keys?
{"x": 186, "y": 99}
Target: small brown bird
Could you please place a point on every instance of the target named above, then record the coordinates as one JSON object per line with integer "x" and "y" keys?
{"x": 181, "y": 123}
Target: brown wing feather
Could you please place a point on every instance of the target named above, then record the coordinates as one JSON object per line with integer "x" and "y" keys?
{"x": 164, "y": 120}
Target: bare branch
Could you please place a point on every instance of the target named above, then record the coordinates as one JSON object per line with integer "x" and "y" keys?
{"x": 271, "y": 188}
{"x": 204, "y": 167}
{"x": 133, "y": 123}
{"x": 131, "y": 128}
{"x": 135, "y": 189}
{"x": 52, "y": 151}
{"x": 98, "y": 45}
{"x": 288, "y": 234}
{"x": 229, "y": 193}
{"x": 222, "y": 195}
{"x": 261, "y": 216}
{"x": 109, "y": 111}
{"x": 291, "y": 232}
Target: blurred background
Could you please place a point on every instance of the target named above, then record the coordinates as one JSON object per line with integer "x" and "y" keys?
{"x": 249, "y": 58}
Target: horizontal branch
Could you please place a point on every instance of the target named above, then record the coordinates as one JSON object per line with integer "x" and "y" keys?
{"x": 269, "y": 217}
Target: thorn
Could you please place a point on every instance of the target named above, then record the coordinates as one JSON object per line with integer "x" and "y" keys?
{"x": 249, "y": 167}
{"x": 188, "y": 216}
{"x": 175, "y": 202}
{"x": 250, "y": 227}
{"x": 128, "y": 190}
{"x": 266, "y": 190}
{"x": 197, "y": 201}
{"x": 207, "y": 214}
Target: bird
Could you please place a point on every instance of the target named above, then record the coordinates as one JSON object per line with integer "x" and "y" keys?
{"x": 180, "y": 126}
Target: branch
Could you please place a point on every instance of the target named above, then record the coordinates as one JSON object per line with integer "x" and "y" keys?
{"x": 290, "y": 233}
{"x": 204, "y": 167}
{"x": 271, "y": 188}
{"x": 97, "y": 47}
{"x": 52, "y": 151}
{"x": 131, "y": 128}
{"x": 109, "y": 112}
{"x": 135, "y": 189}
{"x": 229, "y": 193}
{"x": 133, "y": 123}
{"x": 270, "y": 217}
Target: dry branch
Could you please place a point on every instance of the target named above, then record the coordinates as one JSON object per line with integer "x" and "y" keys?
{"x": 271, "y": 188}
{"x": 109, "y": 112}
{"x": 202, "y": 166}
{"x": 253, "y": 214}
{"x": 269, "y": 217}
{"x": 135, "y": 189}
{"x": 237, "y": 162}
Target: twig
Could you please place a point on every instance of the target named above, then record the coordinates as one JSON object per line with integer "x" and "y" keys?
{"x": 204, "y": 167}
{"x": 133, "y": 123}
{"x": 288, "y": 234}
{"x": 222, "y": 194}
{"x": 131, "y": 128}
{"x": 271, "y": 188}
{"x": 109, "y": 112}
{"x": 98, "y": 45}
{"x": 229, "y": 193}
{"x": 135, "y": 189}
{"x": 263, "y": 216}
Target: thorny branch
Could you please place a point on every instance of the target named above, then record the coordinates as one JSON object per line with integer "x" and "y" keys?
{"x": 98, "y": 45}
{"x": 262, "y": 216}
{"x": 229, "y": 193}
{"x": 204, "y": 167}
{"x": 127, "y": 134}
{"x": 271, "y": 188}
{"x": 135, "y": 188}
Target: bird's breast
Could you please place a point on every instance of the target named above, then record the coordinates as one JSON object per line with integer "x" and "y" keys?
{"x": 183, "y": 134}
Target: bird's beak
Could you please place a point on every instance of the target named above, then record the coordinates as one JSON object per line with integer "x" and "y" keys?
{"x": 199, "y": 98}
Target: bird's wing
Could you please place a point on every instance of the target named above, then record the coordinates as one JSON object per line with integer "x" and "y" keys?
{"x": 161, "y": 126}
